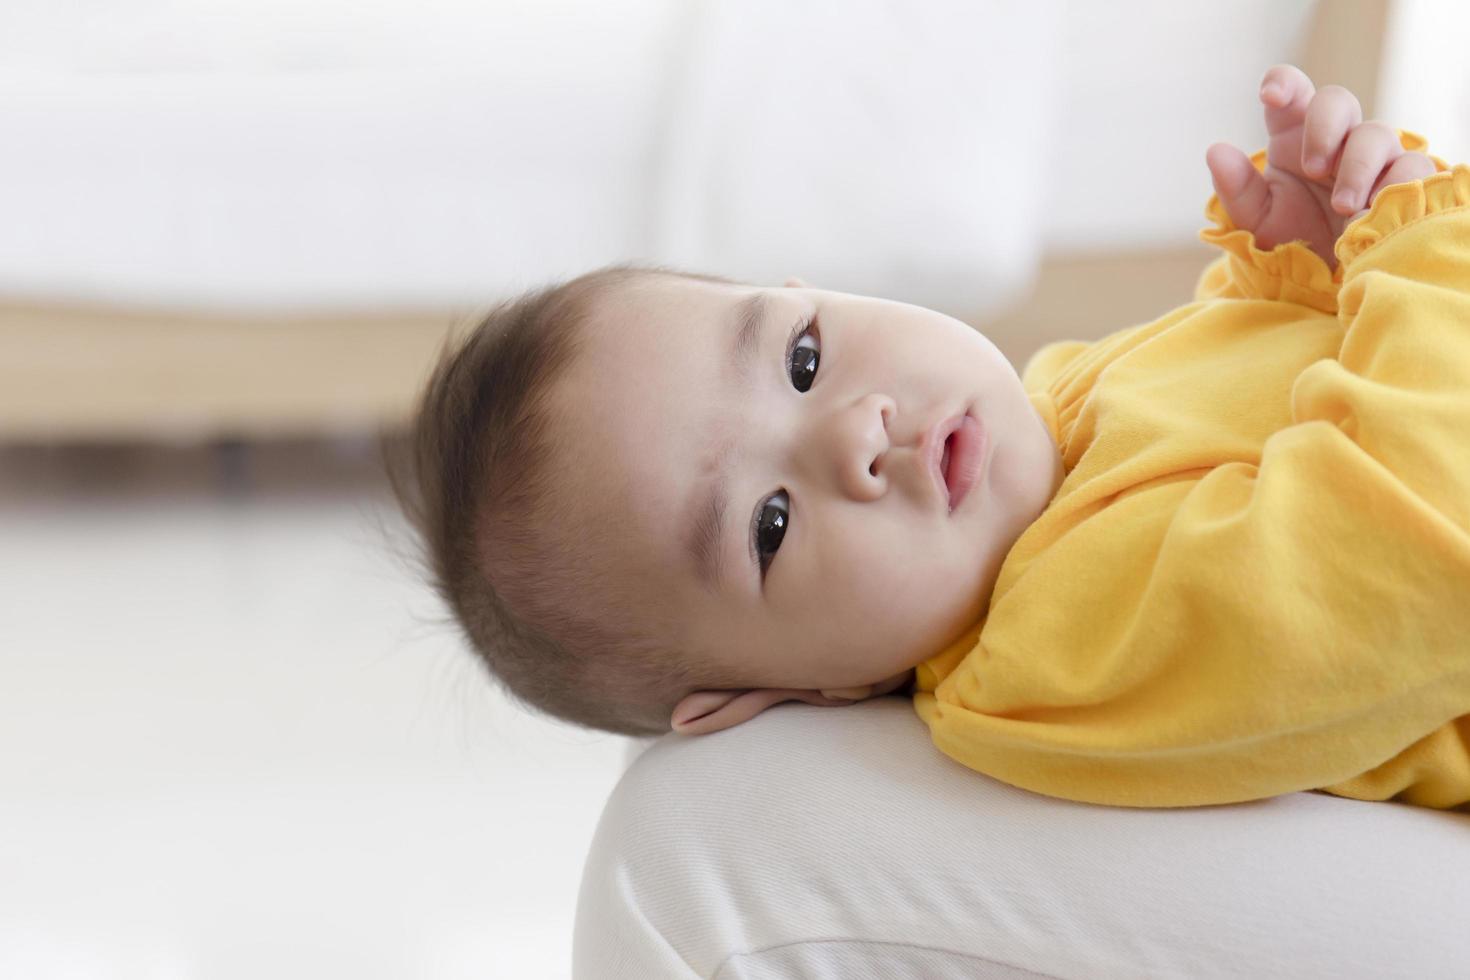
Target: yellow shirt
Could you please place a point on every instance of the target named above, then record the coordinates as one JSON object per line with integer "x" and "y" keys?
{"x": 1255, "y": 576}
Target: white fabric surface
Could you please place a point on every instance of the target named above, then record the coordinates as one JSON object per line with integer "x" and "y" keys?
{"x": 280, "y": 159}
{"x": 821, "y": 842}
{"x": 869, "y": 148}
{"x": 330, "y": 153}
{"x": 298, "y": 153}
{"x": 1424, "y": 76}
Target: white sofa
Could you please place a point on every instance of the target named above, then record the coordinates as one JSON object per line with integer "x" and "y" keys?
{"x": 819, "y": 842}
{"x": 331, "y": 155}
{"x": 230, "y": 187}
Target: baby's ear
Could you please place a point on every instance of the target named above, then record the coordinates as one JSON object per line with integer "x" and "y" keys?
{"x": 710, "y": 711}
{"x": 795, "y": 283}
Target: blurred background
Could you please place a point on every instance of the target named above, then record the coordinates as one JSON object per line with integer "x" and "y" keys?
{"x": 238, "y": 736}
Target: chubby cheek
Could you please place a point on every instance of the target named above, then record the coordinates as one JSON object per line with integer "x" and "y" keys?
{"x": 893, "y": 606}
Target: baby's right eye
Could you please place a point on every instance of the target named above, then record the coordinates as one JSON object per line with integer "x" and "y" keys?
{"x": 770, "y": 528}
{"x": 803, "y": 360}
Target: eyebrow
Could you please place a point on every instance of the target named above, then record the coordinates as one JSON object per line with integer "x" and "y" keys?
{"x": 707, "y": 530}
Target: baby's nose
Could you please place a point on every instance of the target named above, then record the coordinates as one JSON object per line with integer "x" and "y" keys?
{"x": 861, "y": 445}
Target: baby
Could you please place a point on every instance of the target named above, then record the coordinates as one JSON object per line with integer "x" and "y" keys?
{"x": 1217, "y": 557}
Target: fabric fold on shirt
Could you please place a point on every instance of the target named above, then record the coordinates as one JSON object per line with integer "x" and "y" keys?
{"x": 1253, "y": 579}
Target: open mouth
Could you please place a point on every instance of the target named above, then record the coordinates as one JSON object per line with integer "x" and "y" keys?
{"x": 961, "y": 461}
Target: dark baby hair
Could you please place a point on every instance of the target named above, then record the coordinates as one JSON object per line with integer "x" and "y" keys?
{"x": 537, "y": 599}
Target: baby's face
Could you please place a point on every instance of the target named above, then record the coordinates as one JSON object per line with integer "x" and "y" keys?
{"x": 702, "y": 459}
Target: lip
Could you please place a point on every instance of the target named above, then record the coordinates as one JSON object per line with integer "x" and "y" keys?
{"x": 967, "y": 456}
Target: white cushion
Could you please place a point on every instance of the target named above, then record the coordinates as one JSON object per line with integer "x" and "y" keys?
{"x": 839, "y": 842}
{"x": 330, "y": 153}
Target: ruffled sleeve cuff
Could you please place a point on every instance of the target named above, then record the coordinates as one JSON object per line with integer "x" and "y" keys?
{"x": 1400, "y": 205}
{"x": 1291, "y": 271}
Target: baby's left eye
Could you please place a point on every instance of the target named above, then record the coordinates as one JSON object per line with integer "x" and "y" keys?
{"x": 804, "y": 358}
{"x": 770, "y": 527}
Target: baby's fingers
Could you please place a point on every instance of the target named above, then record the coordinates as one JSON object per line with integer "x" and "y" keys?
{"x": 1410, "y": 166}
{"x": 1370, "y": 148}
{"x": 1240, "y": 186}
{"x": 1331, "y": 116}
{"x": 1286, "y": 92}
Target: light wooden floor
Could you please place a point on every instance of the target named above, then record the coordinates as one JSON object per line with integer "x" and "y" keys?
{"x": 103, "y": 374}
{"x": 1086, "y": 297}
{"x": 98, "y": 374}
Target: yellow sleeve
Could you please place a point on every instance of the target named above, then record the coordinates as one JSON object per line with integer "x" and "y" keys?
{"x": 1297, "y": 621}
{"x": 1291, "y": 271}
{"x": 1400, "y": 385}
{"x": 1043, "y": 367}
{"x": 1400, "y": 390}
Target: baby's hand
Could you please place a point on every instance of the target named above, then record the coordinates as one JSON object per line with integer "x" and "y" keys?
{"x": 1323, "y": 165}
